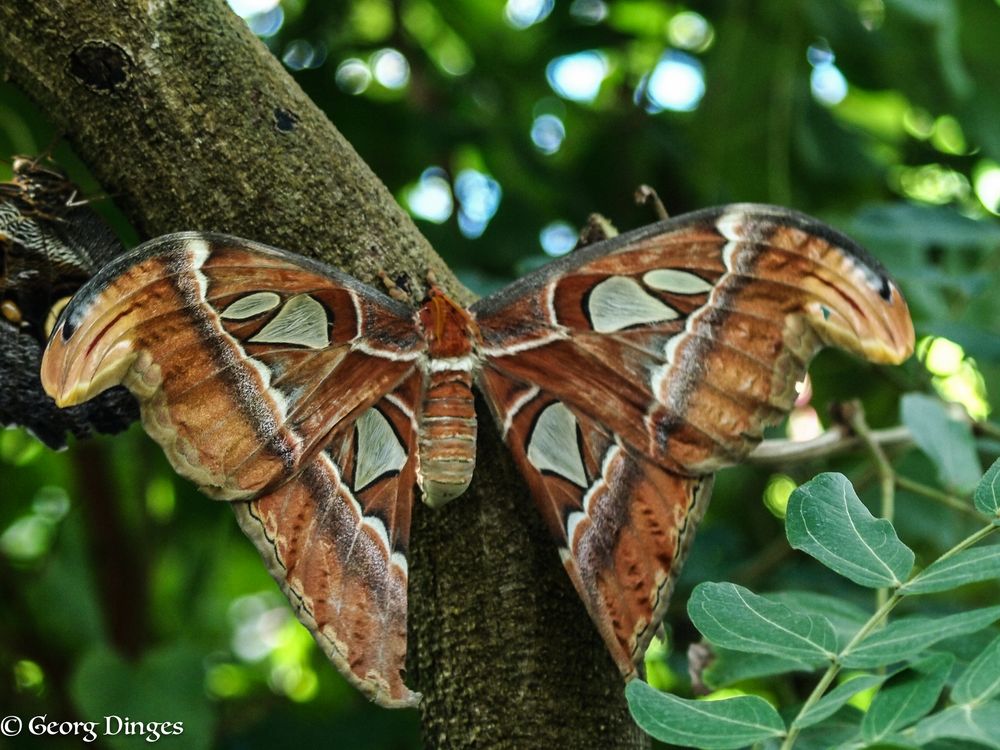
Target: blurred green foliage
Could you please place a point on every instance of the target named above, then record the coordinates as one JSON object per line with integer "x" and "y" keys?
{"x": 501, "y": 126}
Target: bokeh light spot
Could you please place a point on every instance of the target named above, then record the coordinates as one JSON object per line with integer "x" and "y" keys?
{"x": 160, "y": 498}
{"x": 871, "y": 13}
{"x": 918, "y": 123}
{"x": 524, "y": 13}
{"x": 947, "y": 136}
{"x": 578, "y": 77}
{"x": 430, "y": 198}
{"x": 353, "y": 76}
{"x": 548, "y": 133}
{"x": 689, "y": 30}
{"x": 51, "y": 503}
{"x": 264, "y": 23}
{"x": 247, "y": 8}
{"x": 390, "y": 68}
{"x": 478, "y": 196}
{"x": 589, "y": 12}
{"x": 227, "y": 680}
{"x": 28, "y": 677}
{"x": 955, "y": 376}
{"x": 258, "y": 620}
{"x": 828, "y": 84}
{"x": 820, "y": 54}
{"x": 372, "y": 20}
{"x": 777, "y": 492}
{"x": 557, "y": 238}
{"x": 931, "y": 183}
{"x": 27, "y": 539}
{"x": 677, "y": 83}
{"x": 986, "y": 179}
{"x": 300, "y": 55}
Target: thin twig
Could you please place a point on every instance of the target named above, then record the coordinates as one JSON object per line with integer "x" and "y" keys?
{"x": 838, "y": 439}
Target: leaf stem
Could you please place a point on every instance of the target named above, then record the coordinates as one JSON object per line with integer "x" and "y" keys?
{"x": 951, "y": 501}
{"x": 854, "y": 414}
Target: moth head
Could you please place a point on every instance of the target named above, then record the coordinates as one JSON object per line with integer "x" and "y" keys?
{"x": 447, "y": 326}
{"x": 866, "y": 316}
{"x": 89, "y": 348}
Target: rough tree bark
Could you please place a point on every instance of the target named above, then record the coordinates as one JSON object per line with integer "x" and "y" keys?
{"x": 186, "y": 118}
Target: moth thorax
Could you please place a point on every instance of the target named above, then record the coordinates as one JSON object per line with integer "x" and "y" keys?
{"x": 447, "y": 438}
{"x": 447, "y": 327}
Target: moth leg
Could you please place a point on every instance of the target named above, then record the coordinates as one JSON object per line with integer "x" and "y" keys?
{"x": 646, "y": 196}
{"x": 396, "y": 288}
{"x": 597, "y": 229}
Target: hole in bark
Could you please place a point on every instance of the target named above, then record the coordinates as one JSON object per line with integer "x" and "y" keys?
{"x": 101, "y": 66}
{"x": 285, "y": 120}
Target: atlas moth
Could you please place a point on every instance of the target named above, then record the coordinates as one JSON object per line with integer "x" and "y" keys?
{"x": 621, "y": 376}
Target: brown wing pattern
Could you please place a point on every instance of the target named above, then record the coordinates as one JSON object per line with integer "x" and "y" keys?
{"x": 685, "y": 339}
{"x": 244, "y": 358}
{"x": 623, "y": 523}
{"x": 335, "y": 539}
{"x": 624, "y": 375}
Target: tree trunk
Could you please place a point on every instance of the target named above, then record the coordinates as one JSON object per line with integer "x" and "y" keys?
{"x": 187, "y": 119}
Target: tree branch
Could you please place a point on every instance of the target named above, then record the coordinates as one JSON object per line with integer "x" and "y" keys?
{"x": 838, "y": 439}
{"x": 187, "y": 119}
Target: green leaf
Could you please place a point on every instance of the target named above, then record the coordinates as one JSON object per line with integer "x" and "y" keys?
{"x": 830, "y": 703}
{"x": 922, "y": 226}
{"x": 907, "y": 637}
{"x": 847, "y": 618}
{"x": 166, "y": 686}
{"x": 842, "y": 730}
{"x": 730, "y": 667}
{"x": 713, "y": 725}
{"x": 906, "y": 698}
{"x": 981, "y": 679}
{"x": 946, "y": 441}
{"x": 973, "y": 723}
{"x": 734, "y": 617}
{"x": 967, "y": 566}
{"x": 826, "y": 519}
{"x": 988, "y": 492}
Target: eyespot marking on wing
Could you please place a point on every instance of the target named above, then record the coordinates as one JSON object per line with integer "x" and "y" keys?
{"x": 676, "y": 281}
{"x": 252, "y": 304}
{"x": 620, "y": 302}
{"x": 301, "y": 321}
{"x": 554, "y": 444}
{"x": 380, "y": 452}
